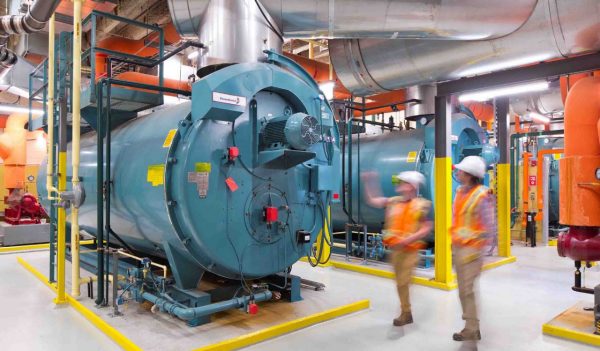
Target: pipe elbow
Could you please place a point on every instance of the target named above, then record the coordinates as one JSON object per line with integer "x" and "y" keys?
{"x": 582, "y": 116}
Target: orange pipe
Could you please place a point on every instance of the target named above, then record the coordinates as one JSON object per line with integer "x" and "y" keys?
{"x": 153, "y": 80}
{"x": 481, "y": 111}
{"x": 579, "y": 186}
{"x": 518, "y": 129}
{"x": 540, "y": 156}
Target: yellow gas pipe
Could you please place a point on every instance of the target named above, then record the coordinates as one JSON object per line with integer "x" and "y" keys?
{"x": 50, "y": 161}
{"x": 76, "y": 107}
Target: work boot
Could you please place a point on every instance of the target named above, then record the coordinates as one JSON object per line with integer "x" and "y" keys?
{"x": 404, "y": 319}
{"x": 467, "y": 334}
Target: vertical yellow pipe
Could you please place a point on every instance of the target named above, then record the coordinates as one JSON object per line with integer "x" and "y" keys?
{"x": 62, "y": 228}
{"x": 503, "y": 185}
{"x": 443, "y": 220}
{"x": 76, "y": 107}
{"x": 326, "y": 249}
{"x": 50, "y": 160}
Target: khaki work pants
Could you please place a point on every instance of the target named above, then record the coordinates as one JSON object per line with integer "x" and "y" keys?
{"x": 404, "y": 262}
{"x": 468, "y": 262}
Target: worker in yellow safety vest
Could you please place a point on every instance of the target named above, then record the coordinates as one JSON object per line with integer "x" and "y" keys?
{"x": 407, "y": 222}
{"x": 473, "y": 225}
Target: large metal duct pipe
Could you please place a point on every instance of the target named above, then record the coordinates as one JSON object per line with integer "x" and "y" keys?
{"x": 233, "y": 31}
{"x": 33, "y": 21}
{"x": 544, "y": 103}
{"x": 557, "y": 28}
{"x": 389, "y": 19}
{"x": 426, "y": 94}
{"x": 239, "y": 30}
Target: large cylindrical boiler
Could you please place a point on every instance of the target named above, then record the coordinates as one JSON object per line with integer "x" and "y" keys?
{"x": 410, "y": 150}
{"x": 200, "y": 184}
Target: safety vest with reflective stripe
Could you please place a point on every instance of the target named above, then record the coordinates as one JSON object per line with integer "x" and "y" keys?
{"x": 468, "y": 227}
{"x": 404, "y": 218}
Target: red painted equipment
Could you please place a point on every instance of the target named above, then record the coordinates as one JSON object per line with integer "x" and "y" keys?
{"x": 26, "y": 211}
{"x": 580, "y": 244}
{"x": 233, "y": 153}
{"x": 271, "y": 214}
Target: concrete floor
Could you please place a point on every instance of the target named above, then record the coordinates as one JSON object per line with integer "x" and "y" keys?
{"x": 515, "y": 301}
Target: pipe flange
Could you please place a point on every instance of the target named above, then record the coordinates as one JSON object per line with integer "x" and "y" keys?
{"x": 75, "y": 197}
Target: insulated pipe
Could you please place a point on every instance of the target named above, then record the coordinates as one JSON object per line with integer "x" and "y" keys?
{"x": 76, "y": 130}
{"x": 424, "y": 19}
{"x": 34, "y": 21}
{"x": 195, "y": 312}
{"x": 579, "y": 172}
{"x": 579, "y": 175}
{"x": 556, "y": 29}
{"x": 50, "y": 112}
{"x": 233, "y": 31}
{"x": 544, "y": 103}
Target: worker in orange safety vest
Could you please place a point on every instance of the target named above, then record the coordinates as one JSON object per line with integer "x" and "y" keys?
{"x": 473, "y": 225}
{"x": 407, "y": 222}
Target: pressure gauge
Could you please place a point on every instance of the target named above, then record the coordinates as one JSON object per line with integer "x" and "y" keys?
{"x": 423, "y": 120}
{"x": 598, "y": 173}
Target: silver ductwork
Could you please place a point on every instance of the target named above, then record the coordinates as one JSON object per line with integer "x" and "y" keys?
{"x": 557, "y": 28}
{"x": 33, "y": 21}
{"x": 426, "y": 94}
{"x": 238, "y": 31}
{"x": 232, "y": 31}
{"x": 16, "y": 81}
{"x": 389, "y": 19}
{"x": 545, "y": 103}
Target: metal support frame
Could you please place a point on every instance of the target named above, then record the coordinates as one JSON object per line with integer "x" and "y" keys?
{"x": 443, "y": 190}
{"x": 501, "y": 106}
{"x": 522, "y": 74}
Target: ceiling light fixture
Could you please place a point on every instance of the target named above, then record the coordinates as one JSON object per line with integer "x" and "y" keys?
{"x": 485, "y": 95}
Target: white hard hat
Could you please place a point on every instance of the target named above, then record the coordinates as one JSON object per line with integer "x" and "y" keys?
{"x": 474, "y": 165}
{"x": 413, "y": 178}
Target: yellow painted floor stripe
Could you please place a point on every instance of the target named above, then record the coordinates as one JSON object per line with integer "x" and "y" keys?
{"x": 505, "y": 260}
{"x": 284, "y": 328}
{"x": 104, "y": 327}
{"x": 19, "y": 248}
{"x": 574, "y": 335}
{"x": 46, "y": 246}
{"x": 429, "y": 282}
{"x": 230, "y": 344}
{"x": 415, "y": 279}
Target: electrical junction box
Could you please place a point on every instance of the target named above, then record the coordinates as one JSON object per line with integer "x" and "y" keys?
{"x": 323, "y": 179}
{"x": 303, "y": 237}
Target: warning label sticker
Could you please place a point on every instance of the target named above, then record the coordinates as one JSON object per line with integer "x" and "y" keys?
{"x": 202, "y": 167}
{"x": 201, "y": 180}
{"x": 169, "y": 138}
{"x": 412, "y": 157}
{"x": 156, "y": 175}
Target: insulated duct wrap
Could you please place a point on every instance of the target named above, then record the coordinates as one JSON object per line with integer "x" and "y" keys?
{"x": 557, "y": 28}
